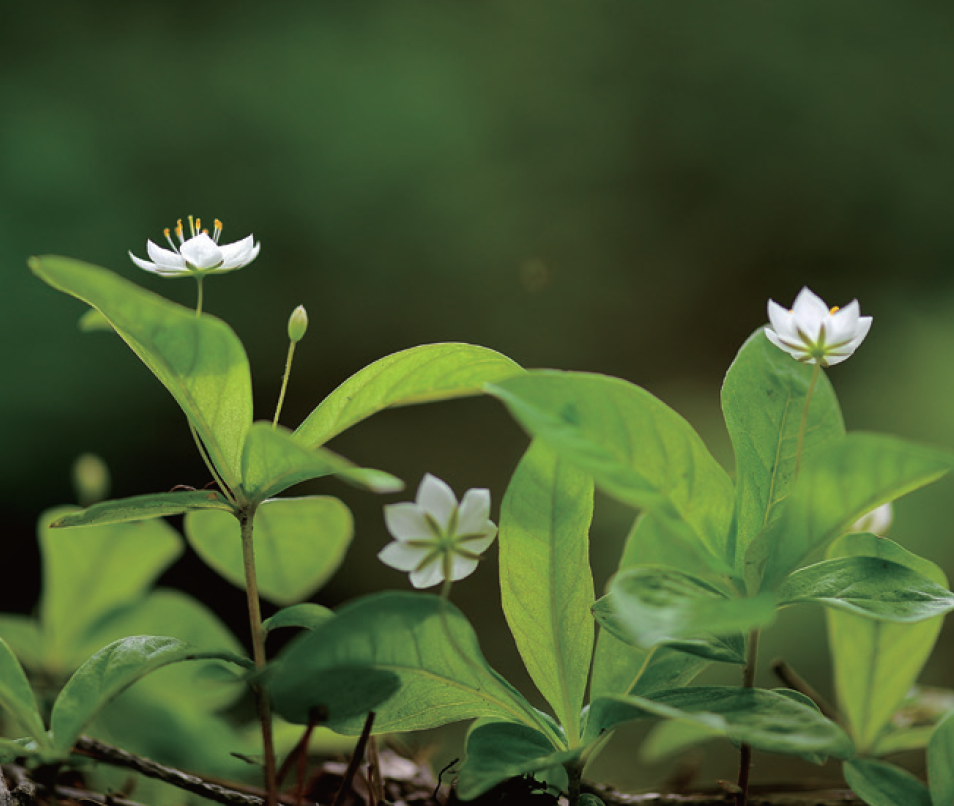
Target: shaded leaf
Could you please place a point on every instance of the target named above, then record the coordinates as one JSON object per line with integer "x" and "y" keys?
{"x": 307, "y": 615}
{"x": 16, "y": 696}
{"x": 940, "y": 759}
{"x": 422, "y": 374}
{"x": 878, "y": 783}
{"x": 143, "y": 507}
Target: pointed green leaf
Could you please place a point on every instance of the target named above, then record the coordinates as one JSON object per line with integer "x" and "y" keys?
{"x": 545, "y": 582}
{"x": 660, "y": 605}
{"x": 306, "y": 615}
{"x": 22, "y": 634}
{"x": 940, "y": 760}
{"x": 637, "y": 449}
{"x": 836, "y": 487}
{"x": 421, "y": 639}
{"x": 497, "y": 751}
{"x": 198, "y": 359}
{"x": 16, "y": 696}
{"x": 673, "y": 737}
{"x": 299, "y": 544}
{"x": 877, "y": 663}
{"x": 763, "y": 400}
{"x": 108, "y": 673}
{"x": 775, "y": 721}
{"x": 878, "y": 783}
{"x": 419, "y": 375}
{"x": 143, "y": 507}
{"x": 91, "y": 571}
{"x": 869, "y": 586}
{"x": 273, "y": 461}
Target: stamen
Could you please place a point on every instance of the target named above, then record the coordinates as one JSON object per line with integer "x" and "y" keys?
{"x": 218, "y": 230}
{"x": 198, "y": 226}
{"x": 179, "y": 233}
{"x": 835, "y": 309}
{"x": 166, "y": 232}
{"x": 192, "y": 226}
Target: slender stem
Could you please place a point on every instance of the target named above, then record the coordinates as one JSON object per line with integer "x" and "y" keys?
{"x": 804, "y": 424}
{"x": 748, "y": 681}
{"x": 281, "y": 394}
{"x": 211, "y": 467}
{"x": 246, "y": 519}
{"x": 198, "y": 304}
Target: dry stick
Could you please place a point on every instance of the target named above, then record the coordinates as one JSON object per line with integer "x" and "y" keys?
{"x": 355, "y": 760}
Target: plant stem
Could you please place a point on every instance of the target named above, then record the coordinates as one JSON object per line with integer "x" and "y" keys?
{"x": 198, "y": 304}
{"x": 748, "y": 681}
{"x": 281, "y": 394}
{"x": 804, "y": 424}
{"x": 246, "y": 518}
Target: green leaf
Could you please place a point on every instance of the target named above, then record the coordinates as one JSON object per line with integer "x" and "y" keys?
{"x": 940, "y": 759}
{"x": 143, "y": 507}
{"x": 89, "y": 573}
{"x": 637, "y": 449}
{"x": 198, "y": 359}
{"x": 878, "y": 783}
{"x": 673, "y": 737}
{"x": 299, "y": 544}
{"x": 836, "y": 487}
{"x": 767, "y": 720}
{"x": 422, "y": 640}
{"x": 422, "y": 374}
{"x": 868, "y": 586}
{"x": 763, "y": 399}
{"x": 16, "y": 696}
{"x": 545, "y": 582}
{"x": 108, "y": 673}
{"x": 23, "y": 636}
{"x": 661, "y": 606}
{"x": 877, "y": 663}
{"x": 273, "y": 461}
{"x": 307, "y": 615}
{"x": 497, "y": 751}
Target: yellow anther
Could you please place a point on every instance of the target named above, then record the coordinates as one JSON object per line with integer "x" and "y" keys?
{"x": 835, "y": 309}
{"x": 198, "y": 226}
{"x": 218, "y": 230}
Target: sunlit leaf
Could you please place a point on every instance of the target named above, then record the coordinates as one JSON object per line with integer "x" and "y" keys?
{"x": 198, "y": 359}
{"x": 143, "y": 507}
{"x": 16, "y": 696}
{"x": 419, "y": 375}
{"x": 545, "y": 582}
{"x": 299, "y": 544}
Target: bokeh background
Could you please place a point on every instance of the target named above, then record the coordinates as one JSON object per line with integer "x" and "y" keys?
{"x": 608, "y": 186}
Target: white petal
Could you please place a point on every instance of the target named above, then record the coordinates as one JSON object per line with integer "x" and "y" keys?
{"x": 402, "y": 556}
{"x": 782, "y": 319}
{"x": 143, "y": 264}
{"x": 844, "y": 324}
{"x": 480, "y": 544}
{"x": 430, "y": 575}
{"x": 201, "y": 252}
{"x": 437, "y": 499}
{"x": 238, "y": 254}
{"x": 462, "y": 567}
{"x": 407, "y": 522}
{"x": 164, "y": 258}
{"x": 773, "y": 337}
{"x": 474, "y": 512}
{"x": 810, "y": 313}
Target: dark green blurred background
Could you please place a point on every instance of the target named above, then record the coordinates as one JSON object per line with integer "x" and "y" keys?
{"x": 611, "y": 186}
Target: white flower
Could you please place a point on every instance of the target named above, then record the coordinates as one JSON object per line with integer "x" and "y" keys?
{"x": 198, "y": 255}
{"x": 877, "y": 522}
{"x": 811, "y": 332}
{"x": 434, "y": 536}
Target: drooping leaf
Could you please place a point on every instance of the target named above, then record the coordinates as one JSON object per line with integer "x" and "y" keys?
{"x": 497, "y": 751}
{"x": 876, "y": 663}
{"x": 198, "y": 359}
{"x": 673, "y": 737}
{"x": 637, "y": 449}
{"x": 775, "y": 721}
{"x": 545, "y": 582}
{"x": 23, "y": 636}
{"x": 16, "y": 696}
{"x": 662, "y": 606}
{"x": 419, "y": 638}
{"x": 108, "y": 673}
{"x": 763, "y": 399}
{"x": 91, "y": 571}
{"x": 299, "y": 544}
{"x": 835, "y": 487}
{"x": 940, "y": 760}
{"x": 868, "y": 586}
{"x": 306, "y": 615}
{"x": 879, "y": 783}
{"x": 143, "y": 507}
{"x": 422, "y": 374}
{"x": 273, "y": 461}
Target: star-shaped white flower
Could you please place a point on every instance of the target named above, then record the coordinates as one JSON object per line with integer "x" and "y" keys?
{"x": 198, "y": 255}
{"x": 434, "y": 537}
{"x": 813, "y": 333}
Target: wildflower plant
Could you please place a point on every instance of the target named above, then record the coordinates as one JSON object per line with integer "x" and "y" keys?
{"x": 708, "y": 562}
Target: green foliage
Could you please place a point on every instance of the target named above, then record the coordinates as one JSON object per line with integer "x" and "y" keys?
{"x": 16, "y": 696}
{"x": 143, "y": 507}
{"x": 940, "y": 759}
{"x": 878, "y": 783}
{"x": 299, "y": 544}
{"x": 307, "y": 615}
{"x": 544, "y": 525}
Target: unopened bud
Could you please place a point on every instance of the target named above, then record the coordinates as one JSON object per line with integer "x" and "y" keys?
{"x": 90, "y": 479}
{"x": 297, "y": 324}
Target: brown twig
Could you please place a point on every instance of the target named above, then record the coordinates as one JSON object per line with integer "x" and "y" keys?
{"x": 356, "y": 757}
{"x": 794, "y": 680}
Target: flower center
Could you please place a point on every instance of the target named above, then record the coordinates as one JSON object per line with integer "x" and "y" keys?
{"x": 200, "y": 250}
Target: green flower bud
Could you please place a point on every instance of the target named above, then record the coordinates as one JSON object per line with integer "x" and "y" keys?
{"x": 90, "y": 479}
{"x": 297, "y": 324}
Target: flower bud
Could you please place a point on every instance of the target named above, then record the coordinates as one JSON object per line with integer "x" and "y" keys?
{"x": 297, "y": 324}
{"x": 90, "y": 479}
